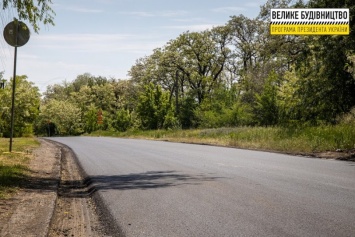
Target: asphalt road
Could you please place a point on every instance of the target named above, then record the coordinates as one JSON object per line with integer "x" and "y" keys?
{"x": 168, "y": 189}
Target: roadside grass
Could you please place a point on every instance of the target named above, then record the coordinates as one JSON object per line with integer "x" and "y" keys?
{"x": 13, "y": 166}
{"x": 299, "y": 139}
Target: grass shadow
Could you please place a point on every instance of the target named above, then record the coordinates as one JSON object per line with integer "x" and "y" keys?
{"x": 11, "y": 177}
{"x": 141, "y": 181}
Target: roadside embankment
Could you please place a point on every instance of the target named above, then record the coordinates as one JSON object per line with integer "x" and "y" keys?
{"x": 330, "y": 142}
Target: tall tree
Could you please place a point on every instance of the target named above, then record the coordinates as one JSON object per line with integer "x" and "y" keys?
{"x": 323, "y": 70}
{"x": 200, "y": 58}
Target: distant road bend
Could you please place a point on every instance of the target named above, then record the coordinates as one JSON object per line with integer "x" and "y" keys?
{"x": 155, "y": 188}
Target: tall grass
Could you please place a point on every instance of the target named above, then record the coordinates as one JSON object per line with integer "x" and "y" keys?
{"x": 13, "y": 166}
{"x": 297, "y": 139}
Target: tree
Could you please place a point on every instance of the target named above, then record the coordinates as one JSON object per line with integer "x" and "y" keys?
{"x": 152, "y": 107}
{"x": 200, "y": 58}
{"x": 320, "y": 81}
{"x": 122, "y": 121}
{"x": 315, "y": 70}
{"x": 91, "y": 117}
{"x": 66, "y": 116}
{"x": 33, "y": 11}
{"x": 58, "y": 91}
{"x": 249, "y": 62}
{"x": 334, "y": 77}
{"x": 266, "y": 109}
{"x": 125, "y": 93}
{"x": 244, "y": 33}
{"x": 27, "y": 100}
{"x": 89, "y": 80}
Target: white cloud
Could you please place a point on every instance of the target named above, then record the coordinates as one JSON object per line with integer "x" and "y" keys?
{"x": 199, "y": 19}
{"x": 197, "y": 27}
{"x": 139, "y": 14}
{"x": 85, "y": 10}
{"x": 155, "y": 14}
{"x": 229, "y": 9}
{"x": 173, "y": 13}
{"x": 98, "y": 43}
{"x": 76, "y": 9}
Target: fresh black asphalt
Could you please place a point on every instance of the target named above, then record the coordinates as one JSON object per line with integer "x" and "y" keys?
{"x": 155, "y": 188}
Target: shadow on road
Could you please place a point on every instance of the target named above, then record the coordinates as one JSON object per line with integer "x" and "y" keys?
{"x": 142, "y": 181}
{"x": 148, "y": 180}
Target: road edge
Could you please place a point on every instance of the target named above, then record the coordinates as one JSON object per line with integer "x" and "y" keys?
{"x": 105, "y": 216}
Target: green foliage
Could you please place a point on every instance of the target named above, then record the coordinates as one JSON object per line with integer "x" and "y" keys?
{"x": 327, "y": 84}
{"x": 241, "y": 115}
{"x": 64, "y": 114}
{"x": 187, "y": 115}
{"x": 90, "y": 117}
{"x": 153, "y": 106}
{"x": 266, "y": 110}
{"x": 171, "y": 121}
{"x": 106, "y": 121}
{"x": 33, "y": 11}
{"x": 27, "y": 100}
{"x": 288, "y": 103}
{"x": 122, "y": 121}
{"x": 213, "y": 114}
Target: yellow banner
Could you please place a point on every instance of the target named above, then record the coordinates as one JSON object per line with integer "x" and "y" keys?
{"x": 309, "y": 29}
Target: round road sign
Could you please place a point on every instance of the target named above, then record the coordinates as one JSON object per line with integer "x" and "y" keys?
{"x": 16, "y": 33}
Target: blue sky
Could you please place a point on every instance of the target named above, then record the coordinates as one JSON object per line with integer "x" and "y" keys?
{"x": 106, "y": 37}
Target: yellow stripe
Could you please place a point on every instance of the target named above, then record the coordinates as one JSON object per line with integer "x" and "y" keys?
{"x": 296, "y": 29}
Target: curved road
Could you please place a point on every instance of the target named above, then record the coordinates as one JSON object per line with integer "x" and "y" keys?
{"x": 164, "y": 189}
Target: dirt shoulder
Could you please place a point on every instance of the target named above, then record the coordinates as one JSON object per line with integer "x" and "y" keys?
{"x": 75, "y": 213}
{"x": 337, "y": 155}
{"x": 29, "y": 212}
{"x": 53, "y": 201}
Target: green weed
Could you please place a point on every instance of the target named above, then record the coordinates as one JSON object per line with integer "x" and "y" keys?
{"x": 296, "y": 139}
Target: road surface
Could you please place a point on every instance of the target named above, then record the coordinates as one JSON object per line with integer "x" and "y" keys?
{"x": 155, "y": 188}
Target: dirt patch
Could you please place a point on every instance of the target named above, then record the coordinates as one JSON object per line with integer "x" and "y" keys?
{"x": 53, "y": 201}
{"x": 75, "y": 213}
{"x": 337, "y": 155}
{"x": 29, "y": 211}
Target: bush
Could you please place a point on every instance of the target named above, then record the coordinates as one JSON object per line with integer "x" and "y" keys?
{"x": 122, "y": 121}
{"x": 348, "y": 118}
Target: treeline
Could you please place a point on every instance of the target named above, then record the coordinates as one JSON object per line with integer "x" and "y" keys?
{"x": 232, "y": 75}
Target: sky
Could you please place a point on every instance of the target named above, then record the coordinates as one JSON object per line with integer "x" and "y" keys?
{"x": 106, "y": 37}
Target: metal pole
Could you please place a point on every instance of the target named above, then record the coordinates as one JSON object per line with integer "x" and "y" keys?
{"x": 13, "y": 91}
